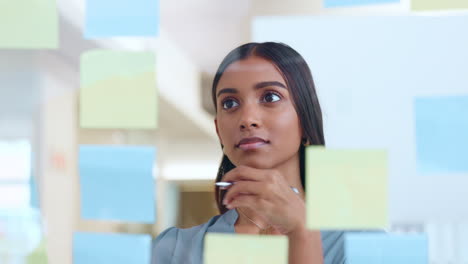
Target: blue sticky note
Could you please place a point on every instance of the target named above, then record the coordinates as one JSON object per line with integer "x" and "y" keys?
{"x": 346, "y": 3}
{"x": 116, "y": 183}
{"x": 383, "y": 248}
{"x": 101, "y": 248}
{"x": 442, "y": 134}
{"x": 120, "y": 18}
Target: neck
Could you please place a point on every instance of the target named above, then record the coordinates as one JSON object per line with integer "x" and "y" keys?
{"x": 291, "y": 170}
{"x": 250, "y": 220}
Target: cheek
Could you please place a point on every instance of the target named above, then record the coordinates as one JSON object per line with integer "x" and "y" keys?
{"x": 288, "y": 128}
{"x": 225, "y": 130}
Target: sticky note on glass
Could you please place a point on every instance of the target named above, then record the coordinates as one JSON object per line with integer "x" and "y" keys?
{"x": 237, "y": 248}
{"x": 28, "y": 24}
{"x": 441, "y": 134}
{"x": 111, "y": 248}
{"x": 118, "y": 90}
{"x": 382, "y": 248}
{"x": 347, "y": 3}
{"x": 116, "y": 183}
{"x": 346, "y": 189}
{"x": 108, "y": 18}
{"x": 433, "y": 5}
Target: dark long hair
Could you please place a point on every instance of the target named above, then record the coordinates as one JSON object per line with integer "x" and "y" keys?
{"x": 301, "y": 85}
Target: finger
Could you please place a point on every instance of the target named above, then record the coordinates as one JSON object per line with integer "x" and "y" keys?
{"x": 243, "y": 187}
{"x": 244, "y": 173}
{"x": 244, "y": 200}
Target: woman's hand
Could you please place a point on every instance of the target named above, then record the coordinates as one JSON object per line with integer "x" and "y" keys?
{"x": 268, "y": 194}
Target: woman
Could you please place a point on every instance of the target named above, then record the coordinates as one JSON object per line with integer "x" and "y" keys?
{"x": 267, "y": 111}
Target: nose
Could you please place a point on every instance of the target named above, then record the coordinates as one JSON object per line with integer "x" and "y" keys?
{"x": 249, "y": 118}
{"x": 251, "y": 125}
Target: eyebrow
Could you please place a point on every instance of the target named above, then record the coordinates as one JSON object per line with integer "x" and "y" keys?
{"x": 259, "y": 85}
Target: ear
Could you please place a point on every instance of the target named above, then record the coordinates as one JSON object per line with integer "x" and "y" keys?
{"x": 217, "y": 131}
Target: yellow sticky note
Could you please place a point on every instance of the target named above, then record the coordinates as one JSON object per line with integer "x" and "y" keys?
{"x": 245, "y": 249}
{"x": 432, "y": 5}
{"x": 118, "y": 90}
{"x": 346, "y": 189}
{"x": 28, "y": 24}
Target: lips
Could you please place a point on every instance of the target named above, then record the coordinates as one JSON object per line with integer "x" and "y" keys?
{"x": 251, "y": 140}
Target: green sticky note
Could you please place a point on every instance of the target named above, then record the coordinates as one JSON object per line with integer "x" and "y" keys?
{"x": 118, "y": 90}
{"x": 39, "y": 255}
{"x": 246, "y": 249}
{"x": 431, "y": 5}
{"x": 346, "y": 189}
{"x": 28, "y": 24}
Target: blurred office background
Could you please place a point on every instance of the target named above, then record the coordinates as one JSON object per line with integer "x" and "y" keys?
{"x": 41, "y": 136}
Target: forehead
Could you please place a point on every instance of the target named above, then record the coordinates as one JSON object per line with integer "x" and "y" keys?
{"x": 248, "y": 72}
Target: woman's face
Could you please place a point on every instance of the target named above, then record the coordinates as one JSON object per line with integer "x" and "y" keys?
{"x": 254, "y": 105}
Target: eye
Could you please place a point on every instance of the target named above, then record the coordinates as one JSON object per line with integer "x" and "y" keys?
{"x": 271, "y": 97}
{"x": 229, "y": 103}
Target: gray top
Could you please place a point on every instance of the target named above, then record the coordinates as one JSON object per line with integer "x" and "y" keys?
{"x": 185, "y": 246}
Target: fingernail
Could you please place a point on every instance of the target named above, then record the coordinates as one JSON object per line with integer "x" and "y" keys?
{"x": 224, "y": 202}
{"x": 229, "y": 206}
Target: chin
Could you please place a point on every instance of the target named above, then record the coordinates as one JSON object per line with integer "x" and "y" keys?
{"x": 255, "y": 163}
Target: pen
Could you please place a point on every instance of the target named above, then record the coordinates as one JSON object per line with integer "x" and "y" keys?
{"x": 227, "y": 184}
{"x": 224, "y": 184}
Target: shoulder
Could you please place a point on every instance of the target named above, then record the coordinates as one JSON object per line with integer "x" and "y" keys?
{"x": 163, "y": 246}
{"x": 176, "y": 244}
